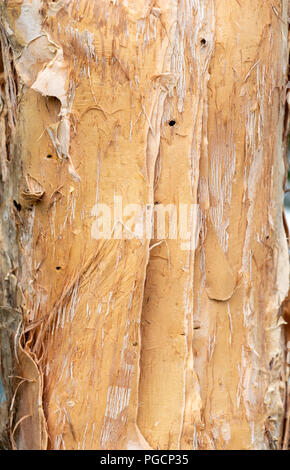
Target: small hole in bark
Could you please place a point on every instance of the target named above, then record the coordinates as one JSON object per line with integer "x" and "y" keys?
{"x": 203, "y": 42}
{"x": 135, "y": 344}
{"x": 58, "y": 268}
{"x": 267, "y": 237}
{"x": 17, "y": 205}
{"x": 49, "y": 156}
{"x": 172, "y": 123}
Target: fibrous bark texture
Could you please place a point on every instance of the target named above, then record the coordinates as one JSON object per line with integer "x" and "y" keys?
{"x": 132, "y": 341}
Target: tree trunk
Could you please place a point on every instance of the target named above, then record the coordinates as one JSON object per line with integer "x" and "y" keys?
{"x": 140, "y": 338}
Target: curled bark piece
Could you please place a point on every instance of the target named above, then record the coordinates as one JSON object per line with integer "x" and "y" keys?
{"x": 34, "y": 191}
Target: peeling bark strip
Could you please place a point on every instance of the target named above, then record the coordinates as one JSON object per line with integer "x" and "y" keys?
{"x": 137, "y": 343}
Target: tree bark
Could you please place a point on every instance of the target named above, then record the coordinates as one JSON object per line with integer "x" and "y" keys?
{"x": 137, "y": 342}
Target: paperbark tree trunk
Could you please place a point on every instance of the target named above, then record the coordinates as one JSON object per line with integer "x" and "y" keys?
{"x": 130, "y": 341}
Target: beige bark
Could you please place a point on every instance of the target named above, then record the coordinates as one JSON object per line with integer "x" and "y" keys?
{"x": 138, "y": 343}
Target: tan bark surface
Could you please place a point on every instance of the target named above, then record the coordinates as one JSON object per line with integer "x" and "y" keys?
{"x": 138, "y": 343}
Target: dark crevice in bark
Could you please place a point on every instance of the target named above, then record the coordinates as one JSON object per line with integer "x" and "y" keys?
{"x": 10, "y": 297}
